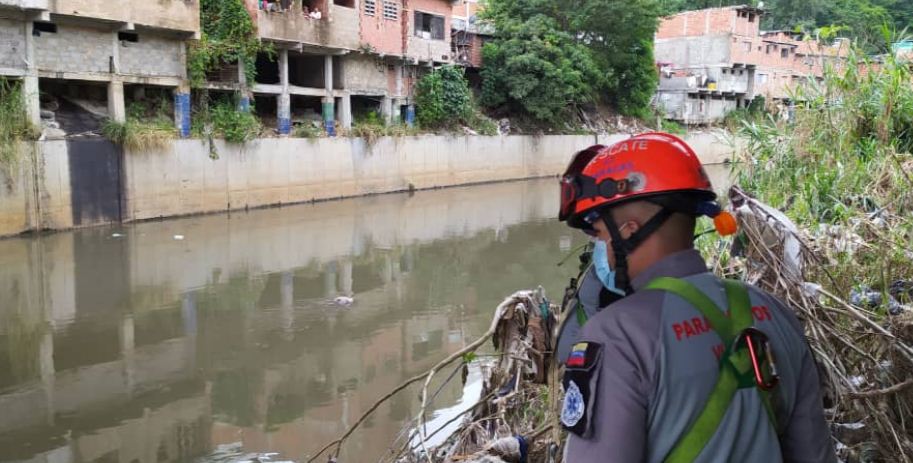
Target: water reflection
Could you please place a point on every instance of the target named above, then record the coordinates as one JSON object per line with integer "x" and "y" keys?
{"x": 128, "y": 345}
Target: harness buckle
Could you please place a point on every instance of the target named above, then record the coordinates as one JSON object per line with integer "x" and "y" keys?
{"x": 759, "y": 350}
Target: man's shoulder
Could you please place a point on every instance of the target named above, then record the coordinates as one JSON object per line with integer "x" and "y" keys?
{"x": 638, "y": 314}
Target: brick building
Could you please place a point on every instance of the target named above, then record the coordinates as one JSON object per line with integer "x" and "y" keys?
{"x": 469, "y": 33}
{"x": 356, "y": 57}
{"x": 93, "y": 51}
{"x": 334, "y": 60}
{"x": 716, "y": 60}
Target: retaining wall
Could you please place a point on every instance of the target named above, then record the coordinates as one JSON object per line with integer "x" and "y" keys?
{"x": 183, "y": 180}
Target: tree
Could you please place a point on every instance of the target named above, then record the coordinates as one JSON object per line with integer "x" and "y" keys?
{"x": 549, "y": 57}
{"x": 443, "y": 96}
{"x": 620, "y": 35}
{"x": 536, "y": 68}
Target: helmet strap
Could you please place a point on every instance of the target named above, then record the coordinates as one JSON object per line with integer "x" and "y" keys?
{"x": 623, "y": 247}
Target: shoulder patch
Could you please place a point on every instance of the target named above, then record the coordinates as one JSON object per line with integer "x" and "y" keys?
{"x": 580, "y": 382}
{"x": 574, "y": 405}
{"x": 583, "y": 355}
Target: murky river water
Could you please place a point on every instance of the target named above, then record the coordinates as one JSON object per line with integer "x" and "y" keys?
{"x": 212, "y": 337}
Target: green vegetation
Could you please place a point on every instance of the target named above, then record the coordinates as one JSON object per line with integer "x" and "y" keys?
{"x": 549, "y": 58}
{"x": 233, "y": 125}
{"x": 442, "y": 97}
{"x": 371, "y": 127}
{"x": 845, "y": 162}
{"x": 756, "y": 112}
{"x": 228, "y": 36}
{"x": 149, "y": 125}
{"x": 14, "y": 124}
{"x": 444, "y": 101}
{"x": 307, "y": 130}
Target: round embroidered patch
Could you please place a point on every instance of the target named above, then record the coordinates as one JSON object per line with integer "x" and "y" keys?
{"x": 573, "y": 406}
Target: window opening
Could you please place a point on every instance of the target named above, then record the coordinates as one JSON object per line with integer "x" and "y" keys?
{"x": 429, "y": 26}
{"x": 391, "y": 10}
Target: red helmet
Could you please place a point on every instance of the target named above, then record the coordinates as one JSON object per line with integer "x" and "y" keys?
{"x": 641, "y": 167}
{"x": 574, "y": 169}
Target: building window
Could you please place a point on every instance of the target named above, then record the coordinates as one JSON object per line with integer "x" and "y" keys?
{"x": 429, "y": 26}
{"x": 391, "y": 10}
{"x": 784, "y": 53}
{"x": 751, "y": 18}
{"x": 762, "y": 78}
{"x": 39, "y": 27}
{"x": 128, "y": 37}
{"x": 747, "y": 46}
{"x": 370, "y": 7}
{"x": 345, "y": 3}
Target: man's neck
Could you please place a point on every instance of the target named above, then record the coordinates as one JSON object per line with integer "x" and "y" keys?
{"x": 652, "y": 254}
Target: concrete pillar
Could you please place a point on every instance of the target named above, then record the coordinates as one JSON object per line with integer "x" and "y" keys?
{"x": 399, "y": 79}
{"x": 32, "y": 100}
{"x": 116, "y": 108}
{"x": 30, "y": 82}
{"x": 329, "y": 103}
{"x": 329, "y": 115}
{"x": 284, "y": 103}
{"x": 386, "y": 109}
{"x": 345, "y": 111}
{"x": 410, "y": 115}
{"x": 397, "y": 104}
{"x": 182, "y": 110}
{"x": 244, "y": 97}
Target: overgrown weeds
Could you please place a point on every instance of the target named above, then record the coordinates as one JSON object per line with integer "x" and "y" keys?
{"x": 371, "y": 127}
{"x": 149, "y": 126}
{"x": 234, "y": 125}
{"x": 14, "y": 125}
{"x": 307, "y": 130}
{"x": 841, "y": 172}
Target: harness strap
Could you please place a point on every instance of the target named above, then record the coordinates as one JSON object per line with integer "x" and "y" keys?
{"x": 735, "y": 364}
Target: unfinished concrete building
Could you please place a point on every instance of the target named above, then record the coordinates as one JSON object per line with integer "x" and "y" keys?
{"x": 716, "y": 60}
{"x": 470, "y": 33}
{"x": 337, "y": 60}
{"x": 92, "y": 53}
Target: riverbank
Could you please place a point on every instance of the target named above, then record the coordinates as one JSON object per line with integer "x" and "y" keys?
{"x": 77, "y": 183}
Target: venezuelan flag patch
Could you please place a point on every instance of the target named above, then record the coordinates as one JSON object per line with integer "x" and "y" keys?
{"x": 577, "y": 358}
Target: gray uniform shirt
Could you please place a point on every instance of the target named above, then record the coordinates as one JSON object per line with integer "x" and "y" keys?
{"x": 659, "y": 364}
{"x": 588, "y": 295}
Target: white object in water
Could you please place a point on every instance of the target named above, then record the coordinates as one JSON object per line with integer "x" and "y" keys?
{"x": 178, "y": 237}
{"x": 344, "y": 301}
{"x": 116, "y": 235}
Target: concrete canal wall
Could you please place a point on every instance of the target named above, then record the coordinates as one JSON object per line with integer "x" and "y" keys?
{"x": 77, "y": 183}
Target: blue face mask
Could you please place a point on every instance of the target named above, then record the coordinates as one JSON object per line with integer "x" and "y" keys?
{"x": 604, "y": 271}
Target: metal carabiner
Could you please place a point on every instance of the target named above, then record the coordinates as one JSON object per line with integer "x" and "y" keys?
{"x": 759, "y": 344}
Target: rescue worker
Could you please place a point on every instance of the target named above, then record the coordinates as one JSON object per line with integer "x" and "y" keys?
{"x": 686, "y": 367}
{"x": 591, "y": 290}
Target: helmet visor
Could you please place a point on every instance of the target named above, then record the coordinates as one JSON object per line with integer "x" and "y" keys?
{"x": 570, "y": 189}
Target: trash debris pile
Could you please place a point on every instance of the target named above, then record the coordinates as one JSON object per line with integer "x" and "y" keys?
{"x": 510, "y": 419}
{"x": 861, "y": 336}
